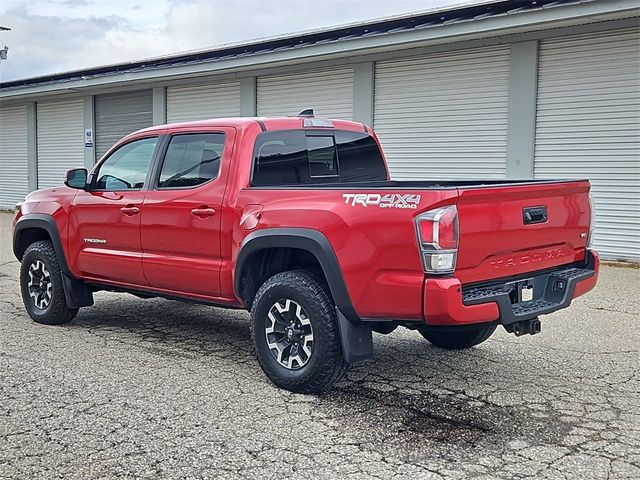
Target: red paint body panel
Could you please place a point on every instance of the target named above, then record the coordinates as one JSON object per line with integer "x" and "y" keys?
{"x": 494, "y": 241}
{"x": 97, "y": 217}
{"x": 443, "y": 304}
{"x": 376, "y": 249}
{"x": 178, "y": 244}
{"x": 166, "y": 249}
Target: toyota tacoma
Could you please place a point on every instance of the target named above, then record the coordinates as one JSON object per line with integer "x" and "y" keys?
{"x": 297, "y": 221}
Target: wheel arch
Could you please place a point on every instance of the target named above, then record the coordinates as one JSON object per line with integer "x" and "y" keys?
{"x": 310, "y": 241}
{"x": 34, "y": 227}
{"x": 38, "y": 226}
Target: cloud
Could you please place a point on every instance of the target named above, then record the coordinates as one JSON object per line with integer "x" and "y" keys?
{"x": 49, "y": 37}
{"x": 41, "y": 44}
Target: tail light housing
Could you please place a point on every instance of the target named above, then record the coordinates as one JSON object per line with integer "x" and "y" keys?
{"x": 437, "y": 232}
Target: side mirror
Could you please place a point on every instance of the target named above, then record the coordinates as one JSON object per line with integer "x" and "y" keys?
{"x": 76, "y": 178}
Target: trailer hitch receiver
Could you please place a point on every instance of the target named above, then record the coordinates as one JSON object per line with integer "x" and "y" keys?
{"x": 524, "y": 327}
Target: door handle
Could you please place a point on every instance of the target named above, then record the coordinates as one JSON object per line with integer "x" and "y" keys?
{"x": 534, "y": 215}
{"x": 203, "y": 212}
{"x": 130, "y": 210}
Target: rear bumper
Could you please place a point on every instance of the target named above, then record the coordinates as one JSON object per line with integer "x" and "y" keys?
{"x": 447, "y": 302}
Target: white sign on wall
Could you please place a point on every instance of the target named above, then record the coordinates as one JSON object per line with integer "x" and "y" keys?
{"x": 88, "y": 137}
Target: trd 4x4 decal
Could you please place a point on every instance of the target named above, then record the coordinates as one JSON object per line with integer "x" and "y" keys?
{"x": 388, "y": 200}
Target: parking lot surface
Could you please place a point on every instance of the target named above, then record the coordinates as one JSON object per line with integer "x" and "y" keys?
{"x": 161, "y": 389}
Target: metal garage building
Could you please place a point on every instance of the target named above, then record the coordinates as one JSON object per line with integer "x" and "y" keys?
{"x": 495, "y": 90}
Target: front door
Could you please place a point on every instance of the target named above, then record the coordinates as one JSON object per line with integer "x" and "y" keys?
{"x": 181, "y": 215}
{"x": 106, "y": 218}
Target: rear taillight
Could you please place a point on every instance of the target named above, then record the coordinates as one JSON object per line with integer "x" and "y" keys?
{"x": 438, "y": 239}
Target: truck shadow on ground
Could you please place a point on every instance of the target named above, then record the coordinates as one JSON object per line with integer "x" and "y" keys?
{"x": 378, "y": 399}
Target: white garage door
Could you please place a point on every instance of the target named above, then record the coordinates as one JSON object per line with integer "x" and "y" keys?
{"x": 444, "y": 116}
{"x": 199, "y": 102}
{"x": 119, "y": 114}
{"x": 60, "y": 140}
{"x": 13, "y": 155}
{"x": 588, "y": 126}
{"x": 328, "y": 92}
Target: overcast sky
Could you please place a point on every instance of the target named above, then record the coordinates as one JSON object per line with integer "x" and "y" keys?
{"x": 61, "y": 35}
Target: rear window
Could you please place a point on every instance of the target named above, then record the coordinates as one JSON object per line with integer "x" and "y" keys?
{"x": 298, "y": 157}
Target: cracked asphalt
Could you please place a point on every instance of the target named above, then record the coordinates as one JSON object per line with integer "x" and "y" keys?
{"x": 161, "y": 389}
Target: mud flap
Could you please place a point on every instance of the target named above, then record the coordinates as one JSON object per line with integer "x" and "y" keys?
{"x": 76, "y": 293}
{"x": 357, "y": 339}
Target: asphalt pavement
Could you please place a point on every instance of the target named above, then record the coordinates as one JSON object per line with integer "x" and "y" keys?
{"x": 138, "y": 388}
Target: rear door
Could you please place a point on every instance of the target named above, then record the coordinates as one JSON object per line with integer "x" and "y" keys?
{"x": 513, "y": 229}
{"x": 182, "y": 212}
{"x": 106, "y": 218}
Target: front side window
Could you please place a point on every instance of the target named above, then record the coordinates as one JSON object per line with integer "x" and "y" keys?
{"x": 126, "y": 168}
{"x": 191, "y": 160}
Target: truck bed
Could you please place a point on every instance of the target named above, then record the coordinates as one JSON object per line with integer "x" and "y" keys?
{"x": 495, "y": 239}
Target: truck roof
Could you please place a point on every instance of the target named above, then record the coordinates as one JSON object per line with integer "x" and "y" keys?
{"x": 266, "y": 123}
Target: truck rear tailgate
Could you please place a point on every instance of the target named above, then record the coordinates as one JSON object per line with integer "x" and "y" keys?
{"x": 520, "y": 228}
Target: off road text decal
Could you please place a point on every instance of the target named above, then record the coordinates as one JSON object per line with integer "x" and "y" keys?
{"x": 388, "y": 200}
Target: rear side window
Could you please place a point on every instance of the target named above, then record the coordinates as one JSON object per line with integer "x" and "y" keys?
{"x": 281, "y": 159}
{"x": 360, "y": 158}
{"x": 191, "y": 160}
{"x": 299, "y": 157}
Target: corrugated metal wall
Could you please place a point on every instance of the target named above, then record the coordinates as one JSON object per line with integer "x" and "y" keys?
{"x": 588, "y": 126}
{"x": 328, "y": 92}
{"x": 119, "y": 114}
{"x": 13, "y": 155}
{"x": 441, "y": 116}
{"x": 444, "y": 115}
{"x": 60, "y": 129}
{"x": 198, "y": 102}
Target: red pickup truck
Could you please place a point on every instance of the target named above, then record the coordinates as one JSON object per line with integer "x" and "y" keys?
{"x": 297, "y": 221}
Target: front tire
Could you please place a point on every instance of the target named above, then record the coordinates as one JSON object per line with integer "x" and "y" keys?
{"x": 458, "y": 338}
{"x": 295, "y": 334}
{"x": 41, "y": 285}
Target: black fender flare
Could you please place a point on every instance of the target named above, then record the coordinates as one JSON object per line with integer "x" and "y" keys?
{"x": 313, "y": 242}
{"x": 356, "y": 337}
{"x": 45, "y": 222}
{"x": 77, "y": 294}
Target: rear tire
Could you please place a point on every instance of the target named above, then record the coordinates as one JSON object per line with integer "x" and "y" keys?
{"x": 458, "y": 338}
{"x": 41, "y": 285}
{"x": 295, "y": 333}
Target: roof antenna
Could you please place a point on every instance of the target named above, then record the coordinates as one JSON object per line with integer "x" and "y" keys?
{"x": 306, "y": 113}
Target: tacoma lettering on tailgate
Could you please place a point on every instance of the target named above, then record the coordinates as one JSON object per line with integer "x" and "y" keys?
{"x": 549, "y": 254}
